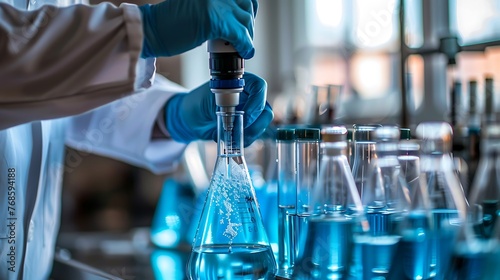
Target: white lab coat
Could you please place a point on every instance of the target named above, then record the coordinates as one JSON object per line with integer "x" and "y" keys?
{"x": 103, "y": 43}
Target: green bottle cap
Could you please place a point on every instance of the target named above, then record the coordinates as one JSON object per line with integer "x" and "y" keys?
{"x": 285, "y": 134}
{"x": 405, "y": 134}
{"x": 312, "y": 134}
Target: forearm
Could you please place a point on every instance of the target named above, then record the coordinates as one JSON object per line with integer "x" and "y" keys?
{"x": 63, "y": 61}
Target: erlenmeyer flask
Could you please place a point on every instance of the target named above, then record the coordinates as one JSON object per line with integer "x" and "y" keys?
{"x": 485, "y": 191}
{"x": 412, "y": 259}
{"x": 386, "y": 200}
{"x": 478, "y": 240}
{"x": 336, "y": 214}
{"x": 448, "y": 203}
{"x": 230, "y": 242}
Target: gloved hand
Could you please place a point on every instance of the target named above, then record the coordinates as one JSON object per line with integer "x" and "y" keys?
{"x": 176, "y": 26}
{"x": 193, "y": 116}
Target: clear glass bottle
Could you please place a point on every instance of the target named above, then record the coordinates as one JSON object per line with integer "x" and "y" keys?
{"x": 337, "y": 214}
{"x": 486, "y": 187}
{"x": 287, "y": 198}
{"x": 409, "y": 159}
{"x": 230, "y": 241}
{"x": 447, "y": 200}
{"x": 364, "y": 150}
{"x": 386, "y": 200}
{"x": 307, "y": 173}
{"x": 478, "y": 239}
{"x": 413, "y": 257}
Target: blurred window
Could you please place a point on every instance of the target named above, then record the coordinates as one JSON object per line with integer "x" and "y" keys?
{"x": 354, "y": 43}
{"x": 414, "y": 34}
{"x": 476, "y": 21}
{"x": 375, "y": 24}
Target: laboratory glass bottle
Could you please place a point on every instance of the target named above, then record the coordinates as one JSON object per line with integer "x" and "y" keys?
{"x": 307, "y": 172}
{"x": 336, "y": 214}
{"x": 412, "y": 258}
{"x": 447, "y": 201}
{"x": 364, "y": 150}
{"x": 386, "y": 200}
{"x": 478, "y": 240}
{"x": 409, "y": 159}
{"x": 287, "y": 198}
{"x": 230, "y": 242}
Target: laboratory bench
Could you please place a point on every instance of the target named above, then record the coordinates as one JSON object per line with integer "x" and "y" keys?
{"x": 117, "y": 256}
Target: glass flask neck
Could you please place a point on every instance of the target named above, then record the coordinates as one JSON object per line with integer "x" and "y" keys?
{"x": 363, "y": 152}
{"x": 334, "y": 148}
{"x": 230, "y": 139}
{"x": 491, "y": 147}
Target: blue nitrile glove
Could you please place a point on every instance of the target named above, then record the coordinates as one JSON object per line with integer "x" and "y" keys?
{"x": 176, "y": 26}
{"x": 193, "y": 116}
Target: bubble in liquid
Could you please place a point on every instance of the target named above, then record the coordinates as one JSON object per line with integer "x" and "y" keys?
{"x": 229, "y": 192}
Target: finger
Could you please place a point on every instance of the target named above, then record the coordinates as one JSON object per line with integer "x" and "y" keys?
{"x": 248, "y": 6}
{"x": 259, "y": 126}
{"x": 245, "y": 18}
{"x": 255, "y": 7}
{"x": 241, "y": 40}
{"x": 255, "y": 92}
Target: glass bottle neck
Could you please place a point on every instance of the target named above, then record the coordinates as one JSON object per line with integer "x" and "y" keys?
{"x": 490, "y": 148}
{"x": 363, "y": 152}
{"x": 230, "y": 139}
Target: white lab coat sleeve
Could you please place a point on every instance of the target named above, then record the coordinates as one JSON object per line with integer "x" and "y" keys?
{"x": 122, "y": 130}
{"x": 62, "y": 61}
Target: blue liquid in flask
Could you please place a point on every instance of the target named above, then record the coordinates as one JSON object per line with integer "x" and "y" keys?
{"x": 231, "y": 242}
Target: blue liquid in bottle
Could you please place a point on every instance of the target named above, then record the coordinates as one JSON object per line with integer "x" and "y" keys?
{"x": 330, "y": 255}
{"x": 446, "y": 227}
{"x": 373, "y": 253}
{"x": 467, "y": 265}
{"x": 412, "y": 259}
{"x": 377, "y": 254}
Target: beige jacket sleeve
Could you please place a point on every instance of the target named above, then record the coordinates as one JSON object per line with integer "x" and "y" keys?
{"x": 57, "y": 62}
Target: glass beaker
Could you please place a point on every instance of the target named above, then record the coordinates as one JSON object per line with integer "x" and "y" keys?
{"x": 230, "y": 242}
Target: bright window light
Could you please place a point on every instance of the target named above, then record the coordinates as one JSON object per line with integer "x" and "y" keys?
{"x": 370, "y": 74}
{"x": 329, "y": 12}
{"x": 375, "y": 23}
{"x": 474, "y": 18}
